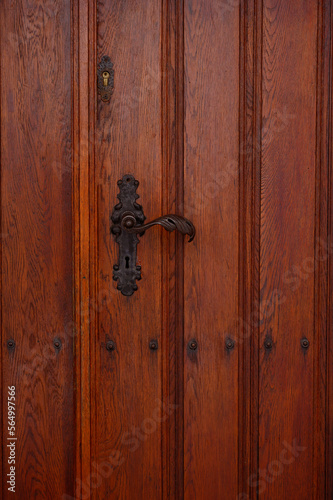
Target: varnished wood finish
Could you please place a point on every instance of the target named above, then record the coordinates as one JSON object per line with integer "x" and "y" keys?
{"x": 36, "y": 227}
{"x": 249, "y": 157}
{"x": 83, "y": 35}
{"x": 223, "y": 111}
{"x": 211, "y": 199}
{"x": 128, "y": 140}
{"x": 289, "y": 224}
{"x": 208, "y": 97}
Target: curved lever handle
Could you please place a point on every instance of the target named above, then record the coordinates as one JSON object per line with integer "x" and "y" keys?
{"x": 170, "y": 222}
{"x": 127, "y": 220}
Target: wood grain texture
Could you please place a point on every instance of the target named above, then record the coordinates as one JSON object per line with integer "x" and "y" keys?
{"x": 223, "y": 111}
{"x": 235, "y": 422}
{"x": 173, "y": 247}
{"x": 36, "y": 211}
{"x": 321, "y": 488}
{"x": 128, "y": 140}
{"x": 249, "y": 238}
{"x": 84, "y": 99}
{"x": 287, "y": 232}
{"x": 211, "y": 200}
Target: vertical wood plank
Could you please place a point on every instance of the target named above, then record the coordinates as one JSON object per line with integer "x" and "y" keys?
{"x": 128, "y": 140}
{"x": 211, "y": 200}
{"x": 322, "y": 256}
{"x": 84, "y": 276}
{"x": 76, "y": 248}
{"x": 287, "y": 230}
{"x": 329, "y": 345}
{"x": 249, "y": 210}
{"x": 84, "y": 75}
{"x": 172, "y": 202}
{"x": 36, "y": 219}
{"x": 179, "y": 248}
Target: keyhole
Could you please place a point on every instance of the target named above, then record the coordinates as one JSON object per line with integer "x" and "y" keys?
{"x": 127, "y": 262}
{"x": 106, "y": 76}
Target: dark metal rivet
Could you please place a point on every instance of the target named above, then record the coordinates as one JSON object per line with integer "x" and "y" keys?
{"x": 135, "y": 287}
{"x": 129, "y": 223}
{"x": 119, "y": 182}
{"x": 138, "y": 268}
{"x": 57, "y": 344}
{"x": 11, "y": 344}
{"x": 110, "y": 345}
{"x": 305, "y": 343}
{"x": 153, "y": 345}
{"x": 193, "y": 345}
{"x": 116, "y": 267}
{"x": 268, "y": 344}
{"x": 229, "y": 343}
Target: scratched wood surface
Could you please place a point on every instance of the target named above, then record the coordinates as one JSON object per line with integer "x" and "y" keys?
{"x": 36, "y": 244}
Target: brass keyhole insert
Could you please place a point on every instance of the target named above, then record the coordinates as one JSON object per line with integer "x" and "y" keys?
{"x": 106, "y": 76}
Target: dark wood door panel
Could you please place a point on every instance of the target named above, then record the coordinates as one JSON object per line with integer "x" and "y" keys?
{"x": 36, "y": 245}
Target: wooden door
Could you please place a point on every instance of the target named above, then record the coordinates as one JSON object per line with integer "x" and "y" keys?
{"x": 37, "y": 271}
{"x": 214, "y": 379}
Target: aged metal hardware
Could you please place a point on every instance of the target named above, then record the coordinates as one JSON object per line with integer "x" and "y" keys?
{"x": 153, "y": 345}
{"x": 268, "y": 343}
{"x": 126, "y": 222}
{"x": 229, "y": 343}
{"x": 105, "y": 78}
{"x": 193, "y": 345}
{"x": 305, "y": 343}
{"x": 170, "y": 222}
{"x": 57, "y": 344}
{"x": 11, "y": 344}
{"x": 110, "y": 345}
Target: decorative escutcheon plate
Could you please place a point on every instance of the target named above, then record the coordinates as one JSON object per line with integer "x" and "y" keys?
{"x": 126, "y": 223}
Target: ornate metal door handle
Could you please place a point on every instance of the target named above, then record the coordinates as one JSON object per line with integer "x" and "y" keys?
{"x": 127, "y": 221}
{"x": 170, "y": 222}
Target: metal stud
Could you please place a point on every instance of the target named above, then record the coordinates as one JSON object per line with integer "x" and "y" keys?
{"x": 305, "y": 343}
{"x": 153, "y": 345}
{"x": 57, "y": 344}
{"x": 268, "y": 343}
{"x": 193, "y": 345}
{"x": 110, "y": 346}
{"x": 229, "y": 343}
{"x": 11, "y": 344}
